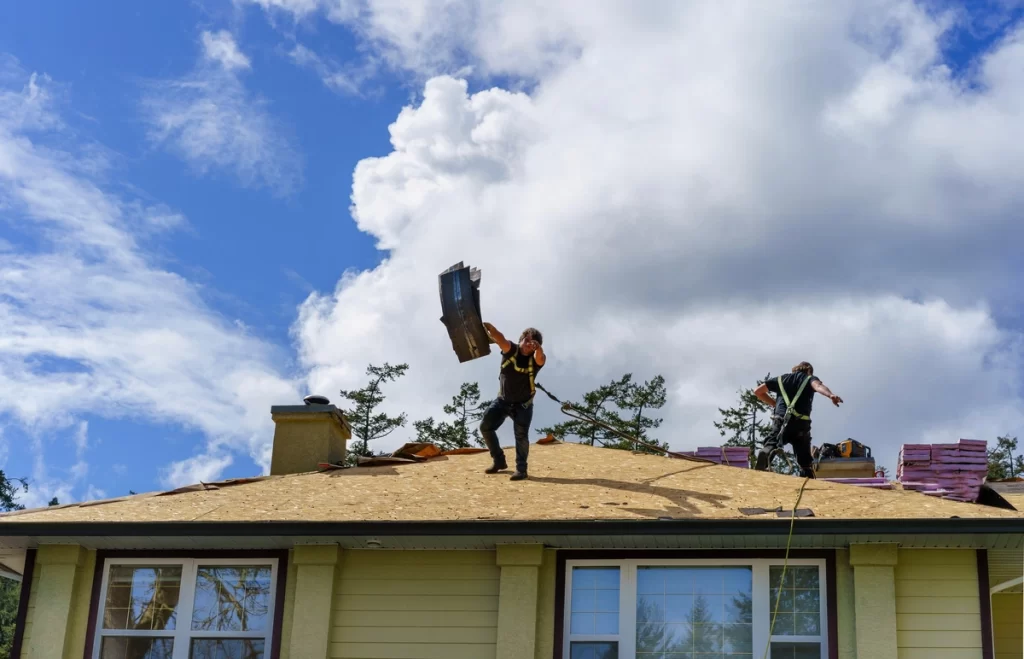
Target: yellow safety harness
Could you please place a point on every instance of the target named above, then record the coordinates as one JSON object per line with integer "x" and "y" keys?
{"x": 789, "y": 403}
{"x": 529, "y": 370}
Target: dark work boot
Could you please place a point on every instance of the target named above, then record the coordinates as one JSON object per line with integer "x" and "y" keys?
{"x": 764, "y": 458}
{"x": 496, "y": 467}
{"x": 518, "y": 476}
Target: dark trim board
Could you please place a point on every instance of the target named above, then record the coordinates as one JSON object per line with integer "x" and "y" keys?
{"x": 985, "y": 599}
{"x": 26, "y": 592}
{"x": 832, "y": 614}
{"x": 282, "y": 581}
{"x": 730, "y": 526}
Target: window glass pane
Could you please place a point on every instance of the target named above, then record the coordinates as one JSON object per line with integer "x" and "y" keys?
{"x": 119, "y": 647}
{"x": 142, "y": 597}
{"x": 594, "y": 650}
{"x": 220, "y": 648}
{"x": 595, "y": 601}
{"x": 232, "y": 598}
{"x": 796, "y": 650}
{"x": 799, "y": 600}
{"x": 694, "y": 612}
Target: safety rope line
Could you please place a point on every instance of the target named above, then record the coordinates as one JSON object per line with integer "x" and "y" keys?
{"x": 785, "y": 565}
{"x": 580, "y": 415}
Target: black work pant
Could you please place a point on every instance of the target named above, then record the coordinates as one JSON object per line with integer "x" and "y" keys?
{"x": 521, "y": 416}
{"x": 798, "y": 435}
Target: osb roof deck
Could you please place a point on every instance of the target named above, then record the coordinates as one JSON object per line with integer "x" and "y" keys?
{"x": 567, "y": 482}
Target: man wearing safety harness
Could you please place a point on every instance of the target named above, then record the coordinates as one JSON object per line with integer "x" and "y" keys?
{"x": 520, "y": 364}
{"x": 791, "y": 420}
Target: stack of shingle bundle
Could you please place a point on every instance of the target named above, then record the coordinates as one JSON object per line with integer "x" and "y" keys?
{"x": 876, "y": 483}
{"x": 951, "y": 471}
{"x": 733, "y": 456}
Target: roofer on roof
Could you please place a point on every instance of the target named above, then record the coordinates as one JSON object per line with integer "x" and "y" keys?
{"x": 520, "y": 363}
{"x": 796, "y": 430}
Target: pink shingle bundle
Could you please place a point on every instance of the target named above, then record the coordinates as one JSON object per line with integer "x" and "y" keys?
{"x": 951, "y": 471}
{"x": 733, "y": 456}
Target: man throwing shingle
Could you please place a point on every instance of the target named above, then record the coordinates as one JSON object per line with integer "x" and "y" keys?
{"x": 794, "y": 395}
{"x": 520, "y": 364}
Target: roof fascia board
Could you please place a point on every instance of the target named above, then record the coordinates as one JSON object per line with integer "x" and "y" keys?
{"x": 512, "y": 528}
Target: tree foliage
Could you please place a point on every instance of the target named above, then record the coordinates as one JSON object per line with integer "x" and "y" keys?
{"x": 10, "y": 590}
{"x": 623, "y": 406}
{"x": 1002, "y": 462}
{"x": 749, "y": 424}
{"x": 367, "y": 423}
{"x": 463, "y": 430}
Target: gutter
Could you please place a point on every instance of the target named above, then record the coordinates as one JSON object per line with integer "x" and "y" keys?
{"x": 953, "y": 525}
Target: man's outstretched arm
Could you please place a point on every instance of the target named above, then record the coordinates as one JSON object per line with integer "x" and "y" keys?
{"x": 820, "y": 387}
{"x": 762, "y": 394}
{"x": 498, "y": 337}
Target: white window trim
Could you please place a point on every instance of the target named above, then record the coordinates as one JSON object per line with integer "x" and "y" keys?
{"x": 186, "y": 600}
{"x": 761, "y": 608}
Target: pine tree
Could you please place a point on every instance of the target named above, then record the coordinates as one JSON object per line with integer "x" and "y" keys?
{"x": 10, "y": 590}
{"x": 749, "y": 424}
{"x": 368, "y": 424}
{"x": 620, "y": 405}
{"x": 596, "y": 406}
{"x": 634, "y": 400}
{"x": 1002, "y": 463}
{"x": 463, "y": 431}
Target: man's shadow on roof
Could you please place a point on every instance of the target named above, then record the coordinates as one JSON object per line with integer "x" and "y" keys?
{"x": 681, "y": 502}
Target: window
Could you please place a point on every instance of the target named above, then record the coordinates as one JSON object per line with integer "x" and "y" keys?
{"x": 695, "y": 609}
{"x": 186, "y": 609}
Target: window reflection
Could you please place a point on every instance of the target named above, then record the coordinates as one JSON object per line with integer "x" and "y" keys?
{"x": 694, "y": 611}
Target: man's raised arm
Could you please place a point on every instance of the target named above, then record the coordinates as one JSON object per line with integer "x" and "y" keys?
{"x": 498, "y": 337}
{"x": 820, "y": 387}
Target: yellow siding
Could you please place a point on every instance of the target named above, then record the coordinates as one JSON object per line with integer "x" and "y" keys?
{"x": 415, "y": 605}
{"x": 938, "y": 611}
{"x": 546, "y": 606}
{"x": 1008, "y": 625}
{"x": 29, "y": 614}
{"x": 289, "y": 608}
{"x": 81, "y": 598}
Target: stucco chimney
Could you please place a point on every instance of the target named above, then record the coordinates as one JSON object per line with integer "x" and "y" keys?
{"x": 306, "y": 435}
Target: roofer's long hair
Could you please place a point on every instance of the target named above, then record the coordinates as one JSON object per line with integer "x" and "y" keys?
{"x": 532, "y": 333}
{"x": 804, "y": 367}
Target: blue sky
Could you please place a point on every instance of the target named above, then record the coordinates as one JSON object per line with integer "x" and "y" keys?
{"x": 175, "y": 216}
{"x": 256, "y": 253}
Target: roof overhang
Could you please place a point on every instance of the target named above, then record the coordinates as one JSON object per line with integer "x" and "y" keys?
{"x": 478, "y": 528}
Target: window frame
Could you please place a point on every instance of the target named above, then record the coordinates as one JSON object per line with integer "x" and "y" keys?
{"x": 190, "y": 562}
{"x": 761, "y": 608}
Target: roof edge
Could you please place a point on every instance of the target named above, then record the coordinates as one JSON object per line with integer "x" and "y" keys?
{"x": 954, "y": 525}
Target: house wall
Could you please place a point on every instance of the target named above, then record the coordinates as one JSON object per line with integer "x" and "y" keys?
{"x": 30, "y": 611}
{"x": 938, "y": 611}
{"x": 59, "y": 602}
{"x": 415, "y": 605}
{"x": 1008, "y": 625}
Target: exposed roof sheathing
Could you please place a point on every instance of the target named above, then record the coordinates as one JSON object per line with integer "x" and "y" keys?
{"x": 567, "y": 482}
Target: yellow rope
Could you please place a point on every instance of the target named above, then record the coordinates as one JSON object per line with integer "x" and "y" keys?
{"x": 785, "y": 565}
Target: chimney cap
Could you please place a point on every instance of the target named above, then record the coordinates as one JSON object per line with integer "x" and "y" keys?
{"x": 314, "y": 399}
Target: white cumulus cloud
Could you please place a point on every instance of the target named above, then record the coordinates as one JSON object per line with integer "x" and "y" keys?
{"x": 706, "y": 190}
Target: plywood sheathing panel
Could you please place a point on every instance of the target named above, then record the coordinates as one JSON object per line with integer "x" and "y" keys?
{"x": 567, "y": 482}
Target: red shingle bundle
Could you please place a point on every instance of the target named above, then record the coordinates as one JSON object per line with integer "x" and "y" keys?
{"x": 733, "y": 456}
{"x": 951, "y": 471}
